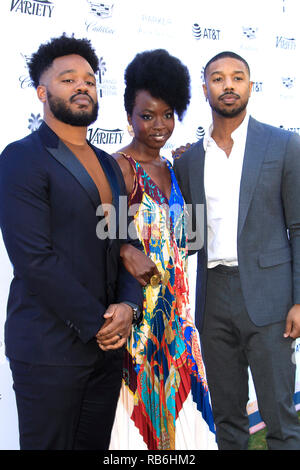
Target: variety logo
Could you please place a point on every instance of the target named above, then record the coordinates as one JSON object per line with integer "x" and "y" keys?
{"x": 283, "y": 42}
{"x": 205, "y": 33}
{"x": 34, "y": 7}
{"x": 101, "y": 136}
{"x": 34, "y": 122}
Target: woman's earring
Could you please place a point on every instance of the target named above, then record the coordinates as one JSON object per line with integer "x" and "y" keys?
{"x": 130, "y": 130}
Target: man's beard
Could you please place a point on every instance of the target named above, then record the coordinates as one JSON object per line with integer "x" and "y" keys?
{"x": 227, "y": 112}
{"x": 63, "y": 113}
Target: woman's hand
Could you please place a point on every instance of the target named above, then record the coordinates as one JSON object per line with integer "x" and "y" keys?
{"x": 180, "y": 150}
{"x": 139, "y": 265}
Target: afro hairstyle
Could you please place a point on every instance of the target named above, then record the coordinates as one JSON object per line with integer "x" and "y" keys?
{"x": 162, "y": 75}
{"x": 58, "y": 47}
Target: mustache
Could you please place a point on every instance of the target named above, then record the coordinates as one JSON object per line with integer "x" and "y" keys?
{"x": 83, "y": 94}
{"x": 230, "y": 93}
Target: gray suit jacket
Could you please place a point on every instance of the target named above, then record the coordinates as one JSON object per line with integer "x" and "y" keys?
{"x": 268, "y": 239}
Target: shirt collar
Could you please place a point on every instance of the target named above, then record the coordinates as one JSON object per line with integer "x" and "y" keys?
{"x": 239, "y": 133}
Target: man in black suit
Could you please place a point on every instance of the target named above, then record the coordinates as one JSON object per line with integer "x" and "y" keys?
{"x": 71, "y": 302}
{"x": 246, "y": 174}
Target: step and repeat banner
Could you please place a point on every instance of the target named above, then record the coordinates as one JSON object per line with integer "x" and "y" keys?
{"x": 264, "y": 32}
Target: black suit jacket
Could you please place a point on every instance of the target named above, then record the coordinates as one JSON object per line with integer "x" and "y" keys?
{"x": 64, "y": 275}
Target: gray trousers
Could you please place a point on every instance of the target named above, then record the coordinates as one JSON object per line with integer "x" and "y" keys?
{"x": 231, "y": 342}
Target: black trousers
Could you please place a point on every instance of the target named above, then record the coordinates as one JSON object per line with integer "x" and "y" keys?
{"x": 66, "y": 407}
{"x": 231, "y": 342}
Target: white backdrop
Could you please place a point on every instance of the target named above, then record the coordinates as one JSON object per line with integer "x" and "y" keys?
{"x": 264, "y": 32}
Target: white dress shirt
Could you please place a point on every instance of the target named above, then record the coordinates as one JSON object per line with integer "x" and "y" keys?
{"x": 222, "y": 177}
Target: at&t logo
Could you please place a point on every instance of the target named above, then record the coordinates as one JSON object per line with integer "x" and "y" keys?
{"x": 205, "y": 33}
{"x": 200, "y": 132}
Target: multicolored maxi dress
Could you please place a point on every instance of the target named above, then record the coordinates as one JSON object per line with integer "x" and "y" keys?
{"x": 164, "y": 401}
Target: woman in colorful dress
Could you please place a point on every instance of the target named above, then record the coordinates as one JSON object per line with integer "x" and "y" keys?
{"x": 164, "y": 401}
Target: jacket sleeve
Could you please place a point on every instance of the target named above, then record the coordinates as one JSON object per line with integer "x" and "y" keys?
{"x": 194, "y": 215}
{"x": 128, "y": 288}
{"x": 25, "y": 220}
{"x": 291, "y": 202}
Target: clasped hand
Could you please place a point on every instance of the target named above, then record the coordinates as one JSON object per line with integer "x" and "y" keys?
{"x": 117, "y": 327}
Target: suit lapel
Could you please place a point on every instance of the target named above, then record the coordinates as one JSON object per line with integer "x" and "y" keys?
{"x": 111, "y": 177}
{"x": 196, "y": 174}
{"x": 196, "y": 184}
{"x": 256, "y": 144}
{"x": 64, "y": 156}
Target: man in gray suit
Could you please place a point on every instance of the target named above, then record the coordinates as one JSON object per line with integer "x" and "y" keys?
{"x": 247, "y": 176}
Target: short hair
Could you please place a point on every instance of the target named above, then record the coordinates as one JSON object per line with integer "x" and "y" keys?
{"x": 58, "y": 47}
{"x": 164, "y": 76}
{"x": 223, "y": 55}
